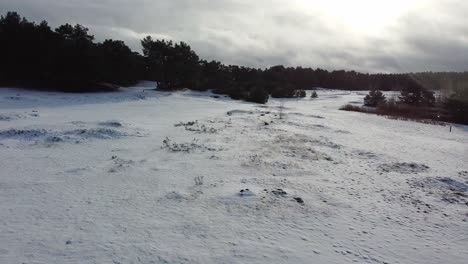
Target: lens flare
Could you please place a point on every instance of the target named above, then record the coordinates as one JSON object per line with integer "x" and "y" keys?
{"x": 360, "y": 15}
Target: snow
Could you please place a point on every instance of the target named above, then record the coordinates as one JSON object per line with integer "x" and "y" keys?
{"x": 140, "y": 176}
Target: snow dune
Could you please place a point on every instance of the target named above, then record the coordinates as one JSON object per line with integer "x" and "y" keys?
{"x": 151, "y": 177}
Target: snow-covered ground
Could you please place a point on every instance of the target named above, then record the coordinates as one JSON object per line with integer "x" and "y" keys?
{"x": 153, "y": 177}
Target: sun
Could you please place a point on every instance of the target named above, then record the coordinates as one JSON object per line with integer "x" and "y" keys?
{"x": 360, "y": 15}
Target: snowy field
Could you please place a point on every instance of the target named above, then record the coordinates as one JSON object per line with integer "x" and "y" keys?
{"x": 153, "y": 177}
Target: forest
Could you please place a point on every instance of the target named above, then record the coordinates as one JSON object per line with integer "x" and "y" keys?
{"x": 69, "y": 59}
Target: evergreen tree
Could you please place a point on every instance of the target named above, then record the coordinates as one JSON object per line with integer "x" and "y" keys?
{"x": 176, "y": 66}
{"x": 374, "y": 98}
{"x": 413, "y": 93}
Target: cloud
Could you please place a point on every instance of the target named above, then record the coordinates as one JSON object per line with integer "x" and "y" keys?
{"x": 412, "y": 35}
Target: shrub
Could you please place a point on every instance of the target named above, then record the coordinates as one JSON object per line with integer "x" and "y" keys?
{"x": 402, "y": 111}
{"x": 415, "y": 94}
{"x": 258, "y": 95}
{"x": 282, "y": 93}
{"x": 235, "y": 92}
{"x": 300, "y": 93}
{"x": 374, "y": 98}
{"x": 198, "y": 180}
{"x": 355, "y": 108}
{"x": 457, "y": 106}
{"x": 314, "y": 95}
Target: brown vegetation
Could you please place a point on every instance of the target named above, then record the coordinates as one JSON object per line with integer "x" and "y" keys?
{"x": 395, "y": 110}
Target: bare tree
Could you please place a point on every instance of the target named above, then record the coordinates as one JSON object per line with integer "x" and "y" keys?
{"x": 281, "y": 110}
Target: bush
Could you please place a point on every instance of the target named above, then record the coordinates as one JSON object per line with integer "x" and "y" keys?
{"x": 398, "y": 110}
{"x": 416, "y": 95}
{"x": 355, "y": 108}
{"x": 314, "y": 95}
{"x": 457, "y": 106}
{"x": 258, "y": 95}
{"x": 288, "y": 91}
{"x": 283, "y": 93}
{"x": 300, "y": 93}
{"x": 235, "y": 92}
{"x": 374, "y": 98}
{"x": 198, "y": 180}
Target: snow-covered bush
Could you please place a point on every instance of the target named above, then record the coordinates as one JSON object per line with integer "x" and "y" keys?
{"x": 198, "y": 180}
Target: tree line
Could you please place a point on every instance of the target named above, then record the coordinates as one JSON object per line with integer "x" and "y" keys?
{"x": 417, "y": 104}
{"x": 68, "y": 58}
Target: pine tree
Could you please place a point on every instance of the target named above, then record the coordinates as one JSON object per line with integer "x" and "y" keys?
{"x": 374, "y": 98}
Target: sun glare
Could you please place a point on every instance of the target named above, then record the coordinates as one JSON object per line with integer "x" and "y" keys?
{"x": 361, "y": 15}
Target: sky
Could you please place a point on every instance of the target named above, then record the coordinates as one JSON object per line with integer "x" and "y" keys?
{"x": 361, "y": 35}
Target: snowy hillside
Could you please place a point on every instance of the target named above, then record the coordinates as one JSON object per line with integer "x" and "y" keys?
{"x": 153, "y": 177}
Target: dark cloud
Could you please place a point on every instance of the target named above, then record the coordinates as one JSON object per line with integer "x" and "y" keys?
{"x": 428, "y": 35}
